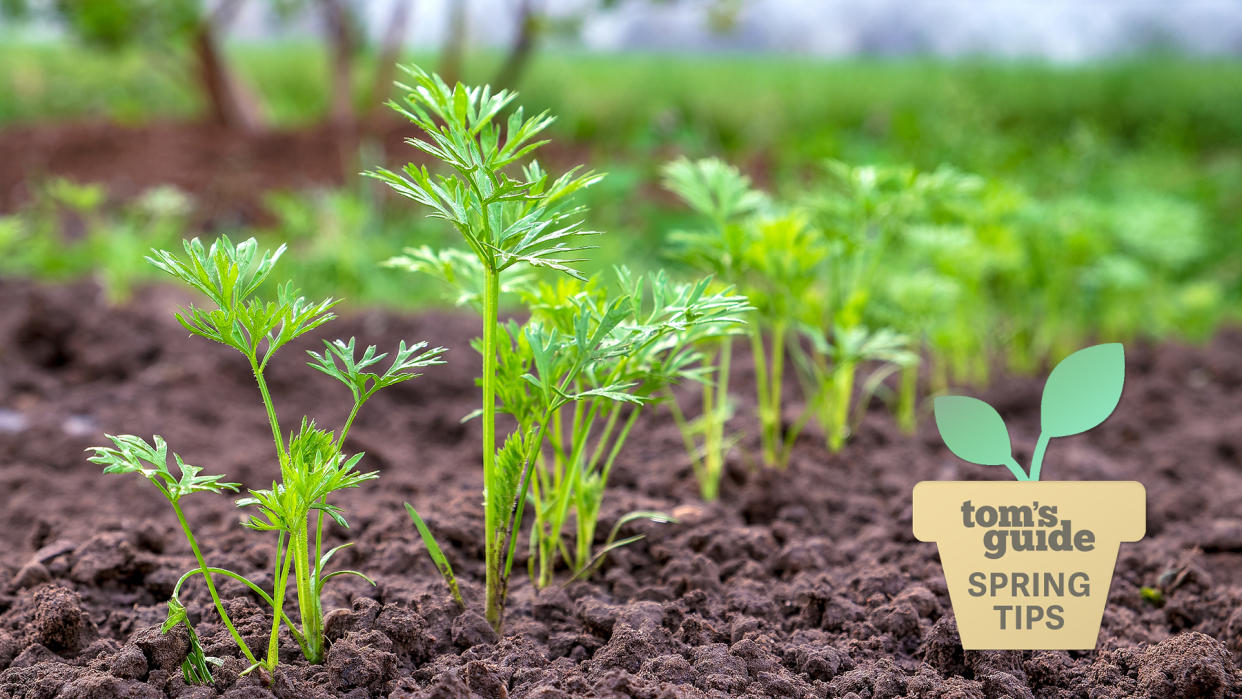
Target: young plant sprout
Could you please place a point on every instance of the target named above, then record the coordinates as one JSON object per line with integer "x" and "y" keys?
{"x": 724, "y": 197}
{"x": 655, "y": 328}
{"x": 312, "y": 464}
{"x": 790, "y": 270}
{"x": 830, "y": 369}
{"x": 1081, "y": 392}
{"x": 509, "y": 215}
{"x": 947, "y": 231}
{"x": 916, "y": 303}
{"x": 576, "y": 374}
{"x": 859, "y": 211}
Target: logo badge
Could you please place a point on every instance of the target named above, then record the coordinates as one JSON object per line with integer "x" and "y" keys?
{"x": 1028, "y": 563}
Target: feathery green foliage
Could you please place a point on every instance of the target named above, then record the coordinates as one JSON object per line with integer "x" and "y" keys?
{"x": 594, "y": 360}
{"x": 808, "y": 272}
{"x": 510, "y": 213}
{"x": 312, "y": 465}
{"x": 584, "y": 357}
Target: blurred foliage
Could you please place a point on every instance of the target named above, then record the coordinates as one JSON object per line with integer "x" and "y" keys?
{"x": 116, "y": 23}
{"x": 68, "y": 231}
{"x": 864, "y": 269}
{"x": 1106, "y": 200}
{"x": 336, "y": 238}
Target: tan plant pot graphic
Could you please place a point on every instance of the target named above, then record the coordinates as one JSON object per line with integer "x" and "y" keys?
{"x": 1028, "y": 565}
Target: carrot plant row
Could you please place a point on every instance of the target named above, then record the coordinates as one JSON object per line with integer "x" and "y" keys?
{"x": 835, "y": 293}
{"x": 887, "y": 281}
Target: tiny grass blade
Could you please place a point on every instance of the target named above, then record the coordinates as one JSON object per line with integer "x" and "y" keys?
{"x": 437, "y": 556}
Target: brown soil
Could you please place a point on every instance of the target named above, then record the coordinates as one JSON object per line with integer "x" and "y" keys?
{"x": 803, "y": 583}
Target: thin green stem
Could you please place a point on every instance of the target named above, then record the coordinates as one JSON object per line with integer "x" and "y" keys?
{"x": 493, "y": 574}
{"x": 839, "y": 409}
{"x": 211, "y": 585}
{"x": 552, "y": 541}
{"x": 586, "y": 519}
{"x": 687, "y": 437}
{"x": 558, "y": 447}
{"x": 620, "y": 440}
{"x": 1037, "y": 459}
{"x": 293, "y": 629}
{"x": 761, "y": 388}
{"x": 271, "y": 409}
{"x": 519, "y": 503}
{"x": 349, "y": 422}
{"x": 586, "y": 536}
{"x": 308, "y": 600}
{"x": 907, "y": 398}
{"x": 791, "y": 436}
{"x": 776, "y": 387}
{"x": 316, "y": 570}
{"x": 706, "y": 483}
{"x": 717, "y": 407}
{"x": 278, "y": 602}
{"x": 575, "y": 430}
{"x": 605, "y": 437}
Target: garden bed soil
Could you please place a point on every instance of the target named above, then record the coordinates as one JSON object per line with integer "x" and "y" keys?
{"x": 802, "y": 583}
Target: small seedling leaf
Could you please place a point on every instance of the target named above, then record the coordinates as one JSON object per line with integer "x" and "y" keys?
{"x": 323, "y": 561}
{"x": 973, "y": 430}
{"x": 437, "y": 555}
{"x": 333, "y": 574}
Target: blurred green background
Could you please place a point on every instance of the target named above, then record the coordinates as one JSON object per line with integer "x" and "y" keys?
{"x": 1107, "y": 199}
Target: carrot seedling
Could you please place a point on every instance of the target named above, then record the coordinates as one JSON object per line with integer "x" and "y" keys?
{"x": 725, "y": 198}
{"x": 651, "y": 331}
{"x": 510, "y": 215}
{"x": 808, "y": 285}
{"x": 585, "y": 361}
{"x": 777, "y": 260}
{"x": 312, "y": 465}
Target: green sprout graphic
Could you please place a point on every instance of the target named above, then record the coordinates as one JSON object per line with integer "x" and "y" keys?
{"x": 1081, "y": 392}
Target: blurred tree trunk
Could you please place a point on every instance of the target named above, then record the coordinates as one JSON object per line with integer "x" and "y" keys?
{"x": 231, "y": 104}
{"x": 341, "y": 47}
{"x": 389, "y": 54}
{"x": 454, "y": 43}
{"x": 519, "y": 53}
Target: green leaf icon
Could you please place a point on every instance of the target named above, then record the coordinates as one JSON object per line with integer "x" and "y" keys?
{"x": 1083, "y": 390}
{"x": 973, "y": 430}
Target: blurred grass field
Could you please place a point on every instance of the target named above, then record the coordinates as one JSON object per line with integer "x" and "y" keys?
{"x": 1159, "y": 131}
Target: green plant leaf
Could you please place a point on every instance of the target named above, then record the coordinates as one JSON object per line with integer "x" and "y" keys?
{"x": 973, "y": 430}
{"x": 134, "y": 455}
{"x": 323, "y": 560}
{"x": 437, "y": 555}
{"x": 612, "y": 543}
{"x": 329, "y": 576}
{"x": 1083, "y": 390}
